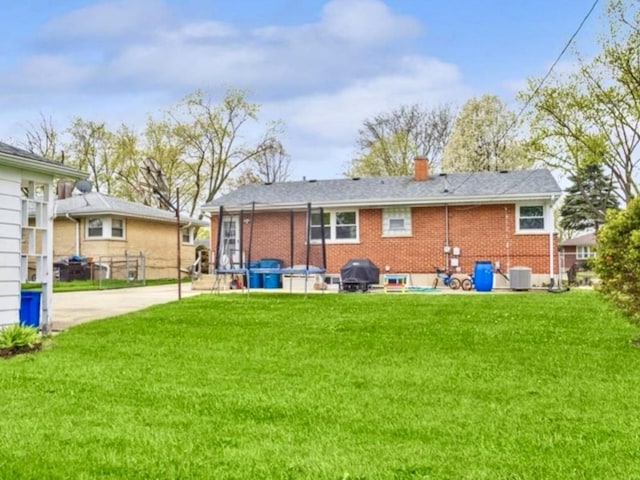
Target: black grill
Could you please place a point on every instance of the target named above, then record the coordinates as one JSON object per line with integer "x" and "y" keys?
{"x": 358, "y": 274}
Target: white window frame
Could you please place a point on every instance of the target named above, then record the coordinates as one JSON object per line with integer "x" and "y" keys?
{"x": 547, "y": 221}
{"x": 187, "y": 231}
{"x": 331, "y": 238}
{"x": 107, "y": 229}
{"x": 396, "y": 214}
{"x": 584, "y": 252}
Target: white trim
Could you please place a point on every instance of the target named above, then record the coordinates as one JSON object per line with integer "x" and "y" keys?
{"x": 191, "y": 232}
{"x": 331, "y": 239}
{"x": 436, "y": 201}
{"x": 107, "y": 228}
{"x": 548, "y": 222}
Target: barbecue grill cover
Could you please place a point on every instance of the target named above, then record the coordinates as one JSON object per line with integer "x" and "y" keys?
{"x": 360, "y": 270}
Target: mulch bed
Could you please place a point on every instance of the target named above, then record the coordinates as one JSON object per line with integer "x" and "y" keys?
{"x": 8, "y": 352}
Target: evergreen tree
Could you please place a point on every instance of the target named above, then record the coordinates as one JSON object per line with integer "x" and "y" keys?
{"x": 588, "y": 199}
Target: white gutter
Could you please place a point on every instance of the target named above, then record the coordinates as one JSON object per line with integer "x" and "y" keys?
{"x": 376, "y": 203}
{"x": 42, "y": 166}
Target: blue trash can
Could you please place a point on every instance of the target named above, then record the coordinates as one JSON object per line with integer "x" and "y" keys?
{"x": 255, "y": 279}
{"x": 271, "y": 280}
{"x": 483, "y": 276}
{"x": 30, "y": 308}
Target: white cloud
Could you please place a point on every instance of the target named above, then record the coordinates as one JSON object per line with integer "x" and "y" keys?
{"x": 322, "y": 128}
{"x": 108, "y": 19}
{"x": 55, "y": 72}
{"x": 368, "y": 22}
{"x": 323, "y": 79}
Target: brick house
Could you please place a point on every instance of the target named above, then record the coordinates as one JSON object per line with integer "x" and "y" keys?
{"x": 404, "y": 224}
{"x": 574, "y": 252}
{"x": 95, "y": 225}
{"x": 26, "y": 208}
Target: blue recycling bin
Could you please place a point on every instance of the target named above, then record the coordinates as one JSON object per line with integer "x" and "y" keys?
{"x": 483, "y": 276}
{"x": 255, "y": 279}
{"x": 30, "y": 308}
{"x": 271, "y": 280}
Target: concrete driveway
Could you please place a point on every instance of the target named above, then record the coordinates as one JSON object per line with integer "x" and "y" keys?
{"x": 73, "y": 308}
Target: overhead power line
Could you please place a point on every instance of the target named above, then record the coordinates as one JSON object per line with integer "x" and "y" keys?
{"x": 553, "y": 65}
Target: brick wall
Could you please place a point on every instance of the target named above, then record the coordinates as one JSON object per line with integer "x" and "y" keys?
{"x": 486, "y": 232}
{"x": 157, "y": 240}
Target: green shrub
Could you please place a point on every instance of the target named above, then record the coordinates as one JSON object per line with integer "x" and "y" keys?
{"x": 18, "y": 336}
{"x": 618, "y": 260}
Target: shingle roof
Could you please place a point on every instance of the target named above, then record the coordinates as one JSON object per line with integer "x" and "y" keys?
{"x": 100, "y": 204}
{"x": 586, "y": 239}
{"x": 449, "y": 188}
{"x": 45, "y": 164}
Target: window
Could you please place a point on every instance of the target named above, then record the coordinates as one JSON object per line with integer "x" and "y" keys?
{"x": 584, "y": 252}
{"x": 187, "y": 235}
{"x": 117, "y": 228}
{"x": 106, "y": 227}
{"x": 95, "y": 227}
{"x": 338, "y": 226}
{"x": 531, "y": 218}
{"x": 396, "y": 221}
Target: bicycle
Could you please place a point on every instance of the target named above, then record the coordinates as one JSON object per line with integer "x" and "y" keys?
{"x": 447, "y": 278}
{"x": 468, "y": 283}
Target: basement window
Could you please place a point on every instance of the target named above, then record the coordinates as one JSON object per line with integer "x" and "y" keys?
{"x": 396, "y": 222}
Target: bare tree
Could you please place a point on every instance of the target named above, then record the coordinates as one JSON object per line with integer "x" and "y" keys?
{"x": 389, "y": 142}
{"x": 43, "y": 139}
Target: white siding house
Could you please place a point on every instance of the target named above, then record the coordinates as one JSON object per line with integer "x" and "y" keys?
{"x": 26, "y": 224}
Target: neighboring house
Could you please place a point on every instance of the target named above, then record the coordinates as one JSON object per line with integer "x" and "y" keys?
{"x": 407, "y": 224}
{"x": 102, "y": 227}
{"x": 26, "y": 209}
{"x": 574, "y": 252}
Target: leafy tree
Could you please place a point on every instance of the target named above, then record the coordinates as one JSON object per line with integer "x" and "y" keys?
{"x": 389, "y": 142}
{"x": 596, "y": 108}
{"x": 482, "y": 139}
{"x": 90, "y": 149}
{"x": 215, "y": 148}
{"x": 618, "y": 260}
{"x": 588, "y": 198}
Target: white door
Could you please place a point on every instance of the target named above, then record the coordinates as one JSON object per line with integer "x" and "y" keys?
{"x": 230, "y": 243}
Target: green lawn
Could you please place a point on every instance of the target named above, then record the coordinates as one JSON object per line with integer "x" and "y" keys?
{"x": 522, "y": 386}
{"x": 84, "y": 285}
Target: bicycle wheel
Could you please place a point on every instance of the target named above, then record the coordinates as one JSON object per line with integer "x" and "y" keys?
{"x": 454, "y": 283}
{"x": 466, "y": 284}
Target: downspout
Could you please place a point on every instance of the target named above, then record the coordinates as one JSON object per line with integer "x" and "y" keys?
{"x": 77, "y": 240}
{"x": 446, "y": 237}
{"x": 551, "y": 233}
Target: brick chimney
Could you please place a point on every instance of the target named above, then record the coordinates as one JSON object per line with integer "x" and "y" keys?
{"x": 421, "y": 169}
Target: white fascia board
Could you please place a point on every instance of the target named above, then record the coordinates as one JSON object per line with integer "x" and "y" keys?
{"x": 376, "y": 203}
{"x": 23, "y": 163}
{"x": 96, "y": 213}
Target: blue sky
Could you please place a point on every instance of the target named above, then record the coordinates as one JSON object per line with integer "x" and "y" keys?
{"x": 319, "y": 66}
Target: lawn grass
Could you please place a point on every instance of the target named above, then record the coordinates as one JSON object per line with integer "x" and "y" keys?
{"x": 86, "y": 285}
{"x": 351, "y": 386}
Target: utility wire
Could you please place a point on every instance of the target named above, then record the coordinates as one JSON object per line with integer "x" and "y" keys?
{"x": 537, "y": 89}
{"x": 553, "y": 65}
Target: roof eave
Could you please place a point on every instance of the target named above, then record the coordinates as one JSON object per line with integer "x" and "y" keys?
{"x": 382, "y": 202}
{"x": 43, "y": 167}
{"x": 93, "y": 213}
